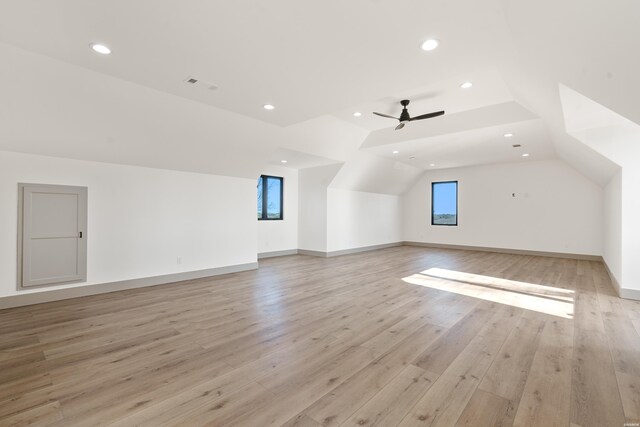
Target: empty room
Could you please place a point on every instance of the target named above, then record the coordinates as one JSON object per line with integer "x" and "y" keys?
{"x": 330, "y": 213}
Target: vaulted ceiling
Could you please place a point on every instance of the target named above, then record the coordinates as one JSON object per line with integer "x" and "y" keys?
{"x": 317, "y": 63}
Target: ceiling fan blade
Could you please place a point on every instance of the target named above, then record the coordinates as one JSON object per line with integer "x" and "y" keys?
{"x": 427, "y": 116}
{"x": 386, "y": 115}
{"x": 400, "y": 126}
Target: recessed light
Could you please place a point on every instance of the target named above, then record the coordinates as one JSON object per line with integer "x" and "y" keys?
{"x": 283, "y": 161}
{"x": 430, "y": 44}
{"x": 395, "y": 151}
{"x": 525, "y": 155}
{"x": 357, "y": 114}
{"x": 268, "y": 107}
{"x": 508, "y": 135}
{"x": 100, "y": 48}
{"x": 432, "y": 164}
{"x": 412, "y": 157}
{"x": 466, "y": 85}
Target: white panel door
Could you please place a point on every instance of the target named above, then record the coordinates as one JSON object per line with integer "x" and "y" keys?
{"x": 54, "y": 241}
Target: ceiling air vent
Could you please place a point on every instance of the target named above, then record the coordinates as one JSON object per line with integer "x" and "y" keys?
{"x": 192, "y": 81}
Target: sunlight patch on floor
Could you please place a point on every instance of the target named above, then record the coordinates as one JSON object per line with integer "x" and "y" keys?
{"x": 529, "y": 296}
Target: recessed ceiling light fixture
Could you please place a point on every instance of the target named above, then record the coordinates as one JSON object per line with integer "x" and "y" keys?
{"x": 395, "y": 151}
{"x": 100, "y": 48}
{"x": 466, "y": 85}
{"x": 268, "y": 107}
{"x": 432, "y": 164}
{"x": 525, "y": 155}
{"x": 412, "y": 157}
{"x": 508, "y": 135}
{"x": 283, "y": 161}
{"x": 430, "y": 45}
{"x": 357, "y": 114}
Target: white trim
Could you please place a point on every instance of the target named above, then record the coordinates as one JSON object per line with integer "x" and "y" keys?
{"x": 625, "y": 293}
{"x": 614, "y": 280}
{"x": 363, "y": 249}
{"x": 312, "y": 253}
{"x": 85, "y": 290}
{"x": 506, "y": 251}
{"x": 348, "y": 251}
{"x": 274, "y": 254}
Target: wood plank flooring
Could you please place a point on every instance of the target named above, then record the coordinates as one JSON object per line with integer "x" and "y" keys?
{"x": 402, "y": 336}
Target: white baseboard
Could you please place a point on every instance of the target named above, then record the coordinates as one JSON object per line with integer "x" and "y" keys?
{"x": 348, "y": 251}
{"x": 506, "y": 251}
{"x": 86, "y": 290}
{"x": 273, "y": 254}
{"x": 312, "y": 253}
{"x": 625, "y": 293}
{"x": 614, "y": 280}
{"x": 362, "y": 249}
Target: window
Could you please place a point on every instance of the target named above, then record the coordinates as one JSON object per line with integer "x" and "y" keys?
{"x": 444, "y": 203}
{"x": 270, "y": 197}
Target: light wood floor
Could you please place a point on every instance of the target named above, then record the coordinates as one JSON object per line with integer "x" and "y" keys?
{"x": 467, "y": 338}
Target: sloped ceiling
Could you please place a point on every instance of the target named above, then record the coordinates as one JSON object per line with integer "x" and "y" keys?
{"x": 69, "y": 112}
{"x": 539, "y": 92}
{"x": 589, "y": 46}
{"x": 600, "y": 128}
{"x": 317, "y": 63}
{"x": 307, "y": 58}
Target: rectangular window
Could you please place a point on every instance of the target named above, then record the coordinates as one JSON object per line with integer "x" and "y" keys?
{"x": 270, "y": 192}
{"x": 444, "y": 203}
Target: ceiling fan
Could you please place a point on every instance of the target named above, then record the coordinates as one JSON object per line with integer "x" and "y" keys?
{"x": 404, "y": 116}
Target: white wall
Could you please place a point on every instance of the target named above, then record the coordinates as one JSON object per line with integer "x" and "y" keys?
{"x": 617, "y": 138}
{"x": 555, "y": 208}
{"x": 282, "y": 235}
{"x": 140, "y": 219}
{"x": 630, "y": 226}
{"x": 312, "y": 203}
{"x": 356, "y": 219}
{"x": 612, "y": 247}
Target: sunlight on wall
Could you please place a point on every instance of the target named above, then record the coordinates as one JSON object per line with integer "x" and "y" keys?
{"x": 543, "y": 299}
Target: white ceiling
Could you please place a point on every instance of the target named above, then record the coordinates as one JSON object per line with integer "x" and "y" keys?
{"x": 306, "y": 58}
{"x": 317, "y": 62}
{"x": 298, "y": 159}
{"x": 69, "y": 112}
{"x": 488, "y": 89}
{"x": 503, "y": 114}
{"x": 479, "y": 146}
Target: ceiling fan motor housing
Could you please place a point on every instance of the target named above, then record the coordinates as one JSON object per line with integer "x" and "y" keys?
{"x": 404, "y": 116}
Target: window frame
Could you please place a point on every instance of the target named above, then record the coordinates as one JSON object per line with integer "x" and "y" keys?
{"x": 433, "y": 184}
{"x": 265, "y": 197}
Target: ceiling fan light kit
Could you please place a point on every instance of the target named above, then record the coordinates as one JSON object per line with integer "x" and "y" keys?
{"x": 406, "y": 118}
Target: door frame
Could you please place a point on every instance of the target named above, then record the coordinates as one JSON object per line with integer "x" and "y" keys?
{"x": 82, "y": 223}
